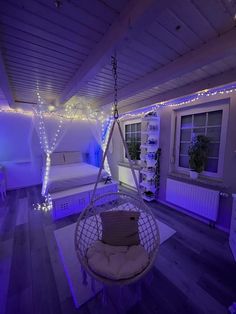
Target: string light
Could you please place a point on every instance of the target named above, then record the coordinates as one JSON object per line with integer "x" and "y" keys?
{"x": 106, "y": 128}
{"x": 47, "y": 147}
{"x": 190, "y": 99}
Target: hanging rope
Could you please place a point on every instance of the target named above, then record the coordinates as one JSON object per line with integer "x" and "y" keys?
{"x": 114, "y": 72}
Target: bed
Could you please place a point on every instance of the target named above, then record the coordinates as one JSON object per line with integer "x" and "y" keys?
{"x": 68, "y": 170}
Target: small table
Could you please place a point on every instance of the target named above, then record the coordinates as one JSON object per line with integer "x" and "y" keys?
{"x": 3, "y": 191}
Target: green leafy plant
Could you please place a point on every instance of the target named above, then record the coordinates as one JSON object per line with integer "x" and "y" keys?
{"x": 198, "y": 153}
{"x": 134, "y": 152}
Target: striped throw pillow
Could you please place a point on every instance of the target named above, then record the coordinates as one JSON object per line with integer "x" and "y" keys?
{"x": 120, "y": 227}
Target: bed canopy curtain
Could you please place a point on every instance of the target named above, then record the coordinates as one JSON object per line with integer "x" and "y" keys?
{"x": 50, "y": 131}
{"x": 100, "y": 130}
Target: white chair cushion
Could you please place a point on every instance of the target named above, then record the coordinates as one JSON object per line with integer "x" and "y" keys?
{"x": 117, "y": 262}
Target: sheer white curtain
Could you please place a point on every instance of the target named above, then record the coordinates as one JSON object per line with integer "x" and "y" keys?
{"x": 50, "y": 132}
{"x": 100, "y": 131}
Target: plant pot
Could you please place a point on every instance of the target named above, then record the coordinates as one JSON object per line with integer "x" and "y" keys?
{"x": 193, "y": 174}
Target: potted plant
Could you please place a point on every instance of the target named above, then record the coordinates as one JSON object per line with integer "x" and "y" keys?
{"x": 134, "y": 152}
{"x": 198, "y": 153}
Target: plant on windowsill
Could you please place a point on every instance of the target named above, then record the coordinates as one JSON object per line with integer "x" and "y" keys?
{"x": 198, "y": 153}
{"x": 134, "y": 152}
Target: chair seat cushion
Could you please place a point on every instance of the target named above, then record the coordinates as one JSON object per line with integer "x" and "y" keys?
{"x": 117, "y": 262}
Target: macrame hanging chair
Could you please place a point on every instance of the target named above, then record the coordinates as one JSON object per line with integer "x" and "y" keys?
{"x": 131, "y": 262}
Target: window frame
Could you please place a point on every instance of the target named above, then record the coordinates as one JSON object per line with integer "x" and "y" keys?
{"x": 128, "y": 122}
{"x": 203, "y": 108}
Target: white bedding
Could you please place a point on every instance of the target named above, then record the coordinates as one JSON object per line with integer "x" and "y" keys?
{"x": 64, "y": 177}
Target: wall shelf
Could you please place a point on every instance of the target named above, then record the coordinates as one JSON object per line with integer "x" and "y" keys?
{"x": 150, "y": 132}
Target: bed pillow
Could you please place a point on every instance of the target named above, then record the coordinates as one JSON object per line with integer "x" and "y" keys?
{"x": 120, "y": 227}
{"x": 73, "y": 157}
{"x": 57, "y": 159}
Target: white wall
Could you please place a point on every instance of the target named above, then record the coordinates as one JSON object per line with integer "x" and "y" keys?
{"x": 20, "y": 151}
{"x": 228, "y": 180}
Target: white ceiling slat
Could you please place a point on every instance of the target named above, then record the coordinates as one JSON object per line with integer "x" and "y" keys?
{"x": 35, "y": 65}
{"x": 121, "y": 71}
{"x": 165, "y": 36}
{"x": 108, "y": 77}
{"x": 117, "y": 5}
{"x": 11, "y": 49}
{"x": 24, "y": 86}
{"x": 20, "y": 67}
{"x": 26, "y": 42}
{"x": 12, "y": 13}
{"x": 5, "y": 83}
{"x": 28, "y": 38}
{"x": 209, "y": 82}
{"x": 150, "y": 41}
{"x": 15, "y": 11}
{"x": 149, "y": 51}
{"x": 215, "y": 14}
{"x": 19, "y": 92}
{"x": 192, "y": 17}
{"x": 39, "y": 73}
{"x": 174, "y": 25}
{"x": 36, "y": 78}
{"x": 134, "y": 63}
{"x": 161, "y": 46}
{"x": 40, "y": 50}
{"x": 140, "y": 58}
{"x": 12, "y": 25}
{"x": 68, "y": 11}
{"x": 31, "y": 83}
{"x": 100, "y": 9}
{"x": 230, "y": 61}
{"x": 208, "y": 53}
{"x": 53, "y": 14}
{"x": 137, "y": 11}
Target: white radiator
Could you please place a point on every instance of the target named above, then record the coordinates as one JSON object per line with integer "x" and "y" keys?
{"x": 196, "y": 199}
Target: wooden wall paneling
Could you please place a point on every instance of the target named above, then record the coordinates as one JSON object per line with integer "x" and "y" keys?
{"x": 52, "y": 14}
{"x": 193, "y": 17}
{"x": 168, "y": 38}
{"x": 140, "y": 13}
{"x": 39, "y": 49}
{"x": 210, "y": 52}
{"x": 12, "y": 33}
{"x": 100, "y": 8}
{"x": 219, "y": 18}
{"x": 22, "y": 51}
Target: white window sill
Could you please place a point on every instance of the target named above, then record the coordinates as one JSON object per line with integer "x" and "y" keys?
{"x": 213, "y": 183}
{"x": 126, "y": 164}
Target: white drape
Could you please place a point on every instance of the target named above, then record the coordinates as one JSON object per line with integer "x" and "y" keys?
{"x": 50, "y": 133}
{"x": 100, "y": 132}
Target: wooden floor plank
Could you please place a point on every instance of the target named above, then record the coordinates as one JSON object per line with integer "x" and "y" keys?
{"x": 195, "y": 272}
{"x": 6, "y": 248}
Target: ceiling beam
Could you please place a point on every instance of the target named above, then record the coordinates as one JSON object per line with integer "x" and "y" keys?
{"x": 210, "y": 52}
{"x": 5, "y": 84}
{"x": 135, "y": 16}
{"x": 207, "y": 83}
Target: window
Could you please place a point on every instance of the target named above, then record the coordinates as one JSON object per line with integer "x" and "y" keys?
{"x": 133, "y": 136}
{"x": 212, "y": 123}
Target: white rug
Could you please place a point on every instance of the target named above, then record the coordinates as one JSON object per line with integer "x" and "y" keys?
{"x": 65, "y": 241}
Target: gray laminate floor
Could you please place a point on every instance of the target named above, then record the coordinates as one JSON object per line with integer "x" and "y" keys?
{"x": 195, "y": 271}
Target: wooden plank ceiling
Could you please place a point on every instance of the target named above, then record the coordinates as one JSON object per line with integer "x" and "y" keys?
{"x": 66, "y": 51}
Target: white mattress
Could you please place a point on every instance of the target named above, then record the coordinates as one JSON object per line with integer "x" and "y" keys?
{"x": 64, "y": 177}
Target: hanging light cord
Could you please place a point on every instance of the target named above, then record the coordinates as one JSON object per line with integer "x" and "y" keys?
{"x": 114, "y": 72}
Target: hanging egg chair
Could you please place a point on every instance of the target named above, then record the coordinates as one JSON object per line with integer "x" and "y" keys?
{"x": 116, "y": 236}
